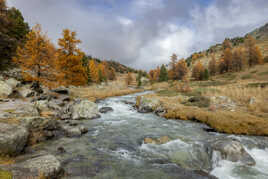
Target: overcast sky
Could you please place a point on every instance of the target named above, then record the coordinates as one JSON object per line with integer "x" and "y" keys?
{"x": 145, "y": 33}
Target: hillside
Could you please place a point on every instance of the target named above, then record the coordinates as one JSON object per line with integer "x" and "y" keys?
{"x": 260, "y": 34}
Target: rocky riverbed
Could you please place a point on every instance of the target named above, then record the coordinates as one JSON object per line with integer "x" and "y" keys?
{"x": 53, "y": 135}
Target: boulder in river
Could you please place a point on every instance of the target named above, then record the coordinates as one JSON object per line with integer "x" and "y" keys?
{"x": 5, "y": 89}
{"x": 233, "y": 150}
{"x": 26, "y": 92}
{"x": 71, "y": 130}
{"x": 84, "y": 109}
{"x": 105, "y": 109}
{"x": 47, "y": 166}
{"x": 147, "y": 105}
{"x": 13, "y": 139}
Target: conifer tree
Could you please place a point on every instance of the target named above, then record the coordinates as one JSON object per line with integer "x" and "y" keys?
{"x": 129, "y": 78}
{"x": 238, "y": 59}
{"x": 198, "y": 71}
{"x": 253, "y": 52}
{"x": 37, "y": 57}
{"x": 173, "y": 64}
{"x": 212, "y": 66}
{"x": 94, "y": 72}
{"x": 69, "y": 61}
{"x": 163, "y": 74}
{"x": 228, "y": 56}
{"x": 181, "y": 69}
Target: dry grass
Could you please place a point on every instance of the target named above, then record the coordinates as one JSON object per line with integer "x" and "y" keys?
{"x": 10, "y": 121}
{"x": 6, "y": 160}
{"x": 96, "y": 92}
{"x": 238, "y": 122}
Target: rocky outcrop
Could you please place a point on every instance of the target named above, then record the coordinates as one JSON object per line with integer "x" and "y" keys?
{"x": 233, "y": 150}
{"x": 12, "y": 82}
{"x": 147, "y": 105}
{"x": 26, "y": 92}
{"x": 84, "y": 109}
{"x": 40, "y": 129}
{"x": 13, "y": 139}
{"x": 72, "y": 129}
{"x": 105, "y": 109}
{"x": 19, "y": 108}
{"x": 5, "y": 89}
{"x": 48, "y": 166}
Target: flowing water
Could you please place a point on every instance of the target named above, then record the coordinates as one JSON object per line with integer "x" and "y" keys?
{"x": 114, "y": 148}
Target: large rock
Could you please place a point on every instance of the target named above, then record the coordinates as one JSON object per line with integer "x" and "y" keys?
{"x": 73, "y": 129}
{"x": 48, "y": 166}
{"x": 61, "y": 90}
{"x": 233, "y": 150}
{"x": 5, "y": 89}
{"x": 12, "y": 82}
{"x": 13, "y": 139}
{"x": 26, "y": 92}
{"x": 18, "y": 108}
{"x": 40, "y": 128}
{"x": 147, "y": 105}
{"x": 105, "y": 109}
{"x": 84, "y": 109}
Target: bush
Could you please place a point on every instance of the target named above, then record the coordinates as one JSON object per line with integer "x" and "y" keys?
{"x": 199, "y": 101}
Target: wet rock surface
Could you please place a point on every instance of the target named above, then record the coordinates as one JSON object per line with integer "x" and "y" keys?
{"x": 84, "y": 109}
{"x": 13, "y": 139}
{"x": 105, "y": 109}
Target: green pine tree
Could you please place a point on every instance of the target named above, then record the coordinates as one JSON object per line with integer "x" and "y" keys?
{"x": 163, "y": 74}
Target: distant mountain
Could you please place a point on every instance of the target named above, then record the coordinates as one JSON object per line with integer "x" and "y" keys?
{"x": 260, "y": 34}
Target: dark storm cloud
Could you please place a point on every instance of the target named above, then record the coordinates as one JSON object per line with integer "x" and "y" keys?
{"x": 144, "y": 33}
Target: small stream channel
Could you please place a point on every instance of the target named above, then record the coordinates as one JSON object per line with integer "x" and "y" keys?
{"x": 114, "y": 149}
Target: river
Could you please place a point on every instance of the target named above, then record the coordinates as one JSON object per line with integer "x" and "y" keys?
{"x": 114, "y": 148}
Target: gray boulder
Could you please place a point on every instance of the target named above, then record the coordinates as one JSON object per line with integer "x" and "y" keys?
{"x": 74, "y": 129}
{"x": 84, "y": 109}
{"x": 49, "y": 166}
{"x": 18, "y": 108}
{"x": 5, "y": 89}
{"x": 13, "y": 139}
{"x": 233, "y": 150}
{"x": 105, "y": 109}
{"x": 12, "y": 82}
{"x": 26, "y": 92}
{"x": 147, "y": 105}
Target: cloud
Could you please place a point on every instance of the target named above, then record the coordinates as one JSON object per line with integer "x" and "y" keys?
{"x": 144, "y": 33}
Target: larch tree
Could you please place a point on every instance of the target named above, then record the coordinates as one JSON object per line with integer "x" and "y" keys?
{"x": 212, "y": 66}
{"x": 151, "y": 75}
{"x": 253, "y": 52}
{"x": 129, "y": 78}
{"x": 198, "y": 71}
{"x": 181, "y": 70}
{"x": 37, "y": 58}
{"x": 173, "y": 63}
{"x": 227, "y": 44}
{"x": 228, "y": 56}
{"x": 103, "y": 71}
{"x": 112, "y": 74}
{"x": 69, "y": 60}
{"x": 239, "y": 60}
{"x": 222, "y": 68}
{"x": 94, "y": 72}
{"x": 156, "y": 74}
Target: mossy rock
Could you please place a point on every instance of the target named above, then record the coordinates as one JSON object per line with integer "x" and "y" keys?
{"x": 5, "y": 175}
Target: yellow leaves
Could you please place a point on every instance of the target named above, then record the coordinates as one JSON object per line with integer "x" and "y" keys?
{"x": 94, "y": 72}
{"x": 69, "y": 60}
{"x": 36, "y": 57}
{"x": 198, "y": 71}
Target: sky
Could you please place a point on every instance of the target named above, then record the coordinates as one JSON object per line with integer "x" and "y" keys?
{"x": 145, "y": 33}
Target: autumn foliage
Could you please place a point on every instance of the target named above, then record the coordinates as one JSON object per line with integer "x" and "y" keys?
{"x": 198, "y": 71}
{"x": 69, "y": 60}
{"x": 129, "y": 78}
{"x": 37, "y": 57}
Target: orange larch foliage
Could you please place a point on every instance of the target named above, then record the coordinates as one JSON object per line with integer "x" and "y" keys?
{"x": 69, "y": 60}
{"x": 212, "y": 66}
{"x": 173, "y": 63}
{"x": 198, "y": 71}
{"x": 181, "y": 69}
{"x": 94, "y": 72}
{"x": 37, "y": 58}
{"x": 253, "y": 52}
{"x": 129, "y": 78}
{"x": 156, "y": 74}
{"x": 239, "y": 59}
